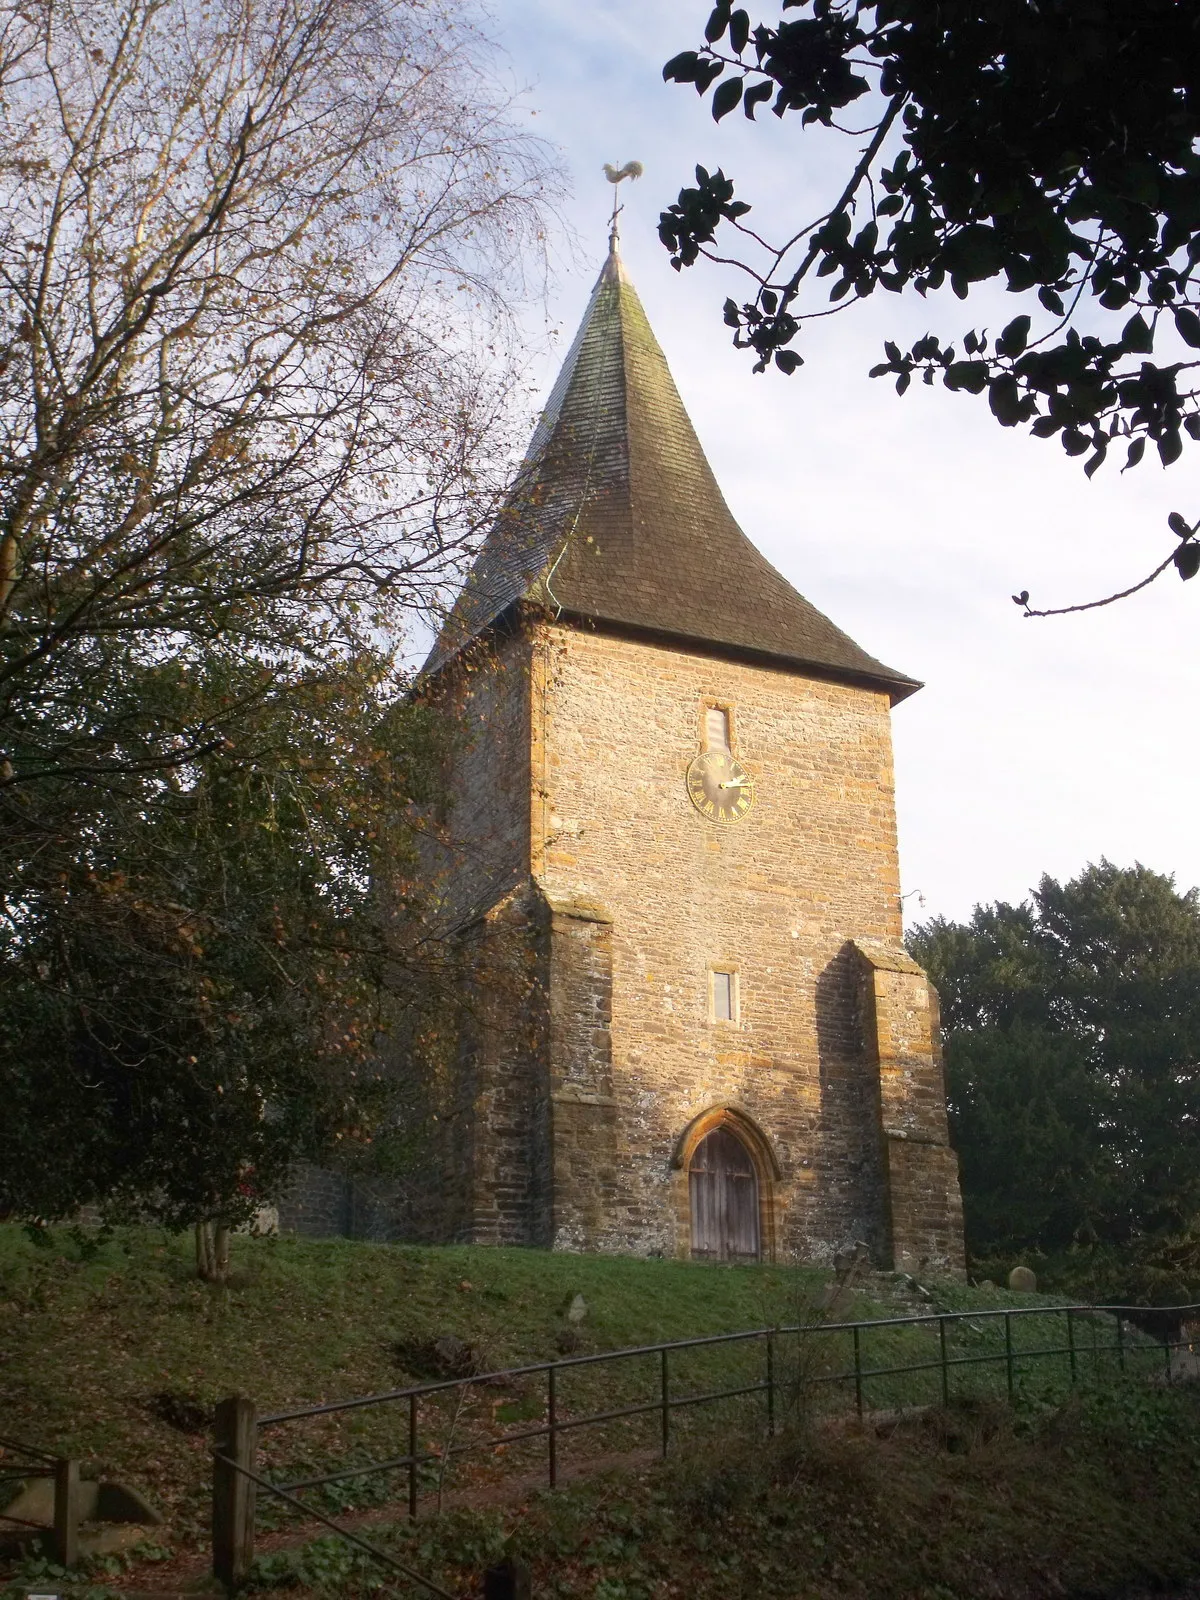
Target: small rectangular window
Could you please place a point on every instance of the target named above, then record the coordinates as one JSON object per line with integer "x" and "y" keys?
{"x": 724, "y": 996}
{"x": 716, "y": 727}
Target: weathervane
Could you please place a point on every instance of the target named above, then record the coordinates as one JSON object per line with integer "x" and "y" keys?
{"x": 631, "y": 169}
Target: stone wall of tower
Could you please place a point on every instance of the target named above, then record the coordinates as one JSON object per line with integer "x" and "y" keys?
{"x": 591, "y": 901}
{"x": 478, "y": 849}
{"x": 779, "y": 896}
{"x": 482, "y": 1088}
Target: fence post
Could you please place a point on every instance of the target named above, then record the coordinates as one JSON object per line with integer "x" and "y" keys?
{"x": 511, "y": 1580}
{"x": 1008, "y": 1352}
{"x": 66, "y": 1512}
{"x": 1120, "y": 1343}
{"x": 858, "y": 1392}
{"x": 666, "y": 1407}
{"x": 552, "y": 1423}
{"x": 412, "y": 1458}
{"x": 1071, "y": 1341}
{"x": 236, "y": 1438}
{"x": 945, "y": 1368}
{"x": 770, "y": 1387}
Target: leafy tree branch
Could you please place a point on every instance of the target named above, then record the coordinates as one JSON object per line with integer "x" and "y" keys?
{"x": 1050, "y": 145}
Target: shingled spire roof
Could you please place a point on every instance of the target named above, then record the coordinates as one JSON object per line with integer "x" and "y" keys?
{"x": 615, "y": 517}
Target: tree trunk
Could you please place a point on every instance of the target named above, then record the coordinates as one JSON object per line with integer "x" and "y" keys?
{"x": 212, "y": 1251}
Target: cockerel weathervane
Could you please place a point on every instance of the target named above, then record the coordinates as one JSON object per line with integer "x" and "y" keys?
{"x": 631, "y": 169}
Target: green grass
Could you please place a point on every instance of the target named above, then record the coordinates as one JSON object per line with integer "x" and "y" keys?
{"x": 91, "y": 1335}
{"x": 114, "y": 1352}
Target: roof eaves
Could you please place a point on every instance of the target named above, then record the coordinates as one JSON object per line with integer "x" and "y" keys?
{"x": 897, "y": 685}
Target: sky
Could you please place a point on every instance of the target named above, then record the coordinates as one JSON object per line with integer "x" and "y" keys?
{"x": 1035, "y": 746}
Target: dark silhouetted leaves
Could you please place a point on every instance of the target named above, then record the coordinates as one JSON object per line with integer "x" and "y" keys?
{"x": 681, "y": 68}
{"x": 1004, "y": 397}
{"x": 1051, "y": 300}
{"x": 754, "y": 96}
{"x": 969, "y": 375}
{"x": 692, "y": 220}
{"x": 1136, "y": 335}
{"x": 1170, "y": 446}
{"x": 1055, "y": 146}
{"x": 725, "y": 99}
{"x": 717, "y": 23}
{"x": 1014, "y": 338}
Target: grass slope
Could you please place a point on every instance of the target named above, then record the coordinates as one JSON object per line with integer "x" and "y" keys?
{"x": 113, "y": 1352}
{"x": 96, "y": 1343}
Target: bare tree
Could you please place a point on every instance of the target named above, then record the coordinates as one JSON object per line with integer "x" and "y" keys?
{"x": 257, "y": 259}
{"x": 254, "y": 263}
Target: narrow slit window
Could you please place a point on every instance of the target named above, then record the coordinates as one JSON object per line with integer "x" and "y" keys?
{"x": 716, "y": 725}
{"x": 724, "y": 997}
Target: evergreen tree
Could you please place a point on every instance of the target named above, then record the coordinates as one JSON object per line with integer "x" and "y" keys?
{"x": 1073, "y": 1059}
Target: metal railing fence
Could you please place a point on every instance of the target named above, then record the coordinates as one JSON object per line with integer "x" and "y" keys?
{"x": 789, "y": 1366}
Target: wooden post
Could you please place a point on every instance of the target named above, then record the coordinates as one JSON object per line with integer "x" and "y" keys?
{"x": 665, "y": 1403}
{"x": 236, "y": 1438}
{"x": 1071, "y": 1342}
{"x": 412, "y": 1458}
{"x": 66, "y": 1512}
{"x": 552, "y": 1424}
{"x": 1008, "y": 1353}
{"x": 511, "y": 1580}
{"x": 770, "y": 1387}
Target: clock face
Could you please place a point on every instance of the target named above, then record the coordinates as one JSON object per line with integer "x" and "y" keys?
{"x": 719, "y": 787}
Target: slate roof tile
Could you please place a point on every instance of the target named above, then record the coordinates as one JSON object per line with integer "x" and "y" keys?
{"x": 615, "y": 517}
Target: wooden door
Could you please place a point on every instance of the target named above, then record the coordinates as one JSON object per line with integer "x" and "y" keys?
{"x": 724, "y": 1196}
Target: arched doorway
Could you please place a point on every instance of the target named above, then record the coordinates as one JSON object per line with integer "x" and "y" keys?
{"x": 723, "y": 1195}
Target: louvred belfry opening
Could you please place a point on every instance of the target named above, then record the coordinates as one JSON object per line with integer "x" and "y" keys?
{"x": 723, "y": 1190}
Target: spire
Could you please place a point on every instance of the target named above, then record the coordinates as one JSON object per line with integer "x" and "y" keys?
{"x": 615, "y": 517}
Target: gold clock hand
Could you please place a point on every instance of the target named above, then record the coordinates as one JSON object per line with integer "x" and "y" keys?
{"x": 738, "y": 783}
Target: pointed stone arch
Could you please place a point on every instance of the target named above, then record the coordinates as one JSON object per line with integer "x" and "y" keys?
{"x": 757, "y": 1146}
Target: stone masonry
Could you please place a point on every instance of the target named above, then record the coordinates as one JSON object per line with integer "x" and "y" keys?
{"x": 629, "y": 897}
{"x": 594, "y": 907}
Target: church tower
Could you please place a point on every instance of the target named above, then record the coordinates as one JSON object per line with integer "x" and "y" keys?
{"x": 688, "y": 1025}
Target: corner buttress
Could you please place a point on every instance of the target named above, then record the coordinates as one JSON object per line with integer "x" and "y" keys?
{"x": 901, "y": 1030}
